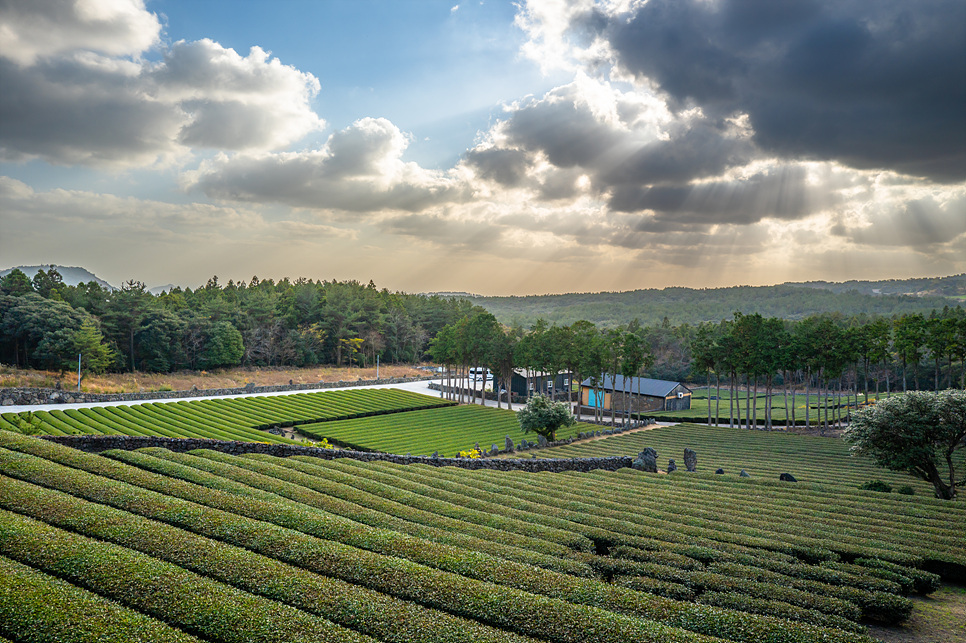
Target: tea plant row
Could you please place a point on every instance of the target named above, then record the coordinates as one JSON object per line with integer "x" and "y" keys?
{"x": 243, "y": 419}
{"x": 303, "y": 537}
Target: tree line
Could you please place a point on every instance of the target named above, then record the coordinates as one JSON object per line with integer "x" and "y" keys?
{"x": 45, "y": 323}
{"x": 823, "y": 357}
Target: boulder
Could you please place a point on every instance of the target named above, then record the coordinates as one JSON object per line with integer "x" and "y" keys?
{"x": 649, "y": 458}
{"x": 508, "y": 444}
{"x": 690, "y": 459}
{"x": 542, "y": 441}
{"x": 787, "y": 477}
{"x": 719, "y": 471}
{"x": 671, "y": 466}
{"x": 743, "y": 474}
{"x": 494, "y": 450}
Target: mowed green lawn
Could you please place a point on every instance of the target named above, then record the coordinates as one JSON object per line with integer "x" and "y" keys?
{"x": 700, "y": 401}
{"x": 446, "y": 430}
{"x": 762, "y": 454}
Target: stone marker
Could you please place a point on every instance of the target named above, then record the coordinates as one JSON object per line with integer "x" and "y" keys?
{"x": 542, "y": 441}
{"x": 494, "y": 450}
{"x": 508, "y": 444}
{"x": 787, "y": 477}
{"x": 743, "y": 474}
{"x": 690, "y": 459}
{"x": 649, "y": 455}
{"x": 671, "y": 466}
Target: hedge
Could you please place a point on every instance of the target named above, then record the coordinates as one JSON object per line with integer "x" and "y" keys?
{"x": 167, "y": 592}
{"x": 501, "y": 605}
{"x": 348, "y": 605}
{"x": 39, "y": 608}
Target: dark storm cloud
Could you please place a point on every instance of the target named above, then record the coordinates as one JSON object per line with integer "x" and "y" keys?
{"x": 872, "y": 84}
{"x": 696, "y": 151}
{"x": 615, "y": 150}
{"x": 506, "y": 167}
{"x": 781, "y": 193}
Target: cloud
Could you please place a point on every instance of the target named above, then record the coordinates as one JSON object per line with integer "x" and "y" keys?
{"x": 34, "y": 29}
{"x": 870, "y": 85}
{"x": 927, "y": 224}
{"x": 359, "y": 169}
{"x": 76, "y": 102}
{"x": 122, "y": 217}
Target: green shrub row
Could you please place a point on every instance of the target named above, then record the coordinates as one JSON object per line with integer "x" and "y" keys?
{"x": 547, "y": 618}
{"x": 39, "y": 608}
{"x": 652, "y": 585}
{"x": 488, "y": 601}
{"x": 351, "y": 606}
{"x": 883, "y": 522}
{"x": 923, "y": 582}
{"x": 759, "y": 605}
{"x": 714, "y": 582}
{"x": 875, "y": 605}
{"x": 701, "y": 581}
{"x": 162, "y": 590}
{"x": 615, "y": 517}
{"x": 312, "y": 472}
{"x": 226, "y": 419}
{"x": 421, "y": 432}
{"x": 878, "y": 606}
{"x": 234, "y": 475}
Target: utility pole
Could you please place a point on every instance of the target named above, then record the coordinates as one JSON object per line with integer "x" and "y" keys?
{"x": 78, "y": 371}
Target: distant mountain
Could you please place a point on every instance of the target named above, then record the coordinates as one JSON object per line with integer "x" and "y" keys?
{"x": 694, "y": 306}
{"x": 157, "y": 290}
{"x": 72, "y": 275}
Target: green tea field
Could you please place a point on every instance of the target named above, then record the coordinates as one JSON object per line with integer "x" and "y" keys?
{"x": 762, "y": 454}
{"x": 243, "y": 418}
{"x": 153, "y": 545}
{"x": 447, "y": 430}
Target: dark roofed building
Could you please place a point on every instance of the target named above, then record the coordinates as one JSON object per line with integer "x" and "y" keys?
{"x": 641, "y": 393}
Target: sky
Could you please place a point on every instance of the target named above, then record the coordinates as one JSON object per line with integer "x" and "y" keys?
{"x": 530, "y": 147}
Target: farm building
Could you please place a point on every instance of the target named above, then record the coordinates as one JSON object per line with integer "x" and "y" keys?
{"x": 524, "y": 383}
{"x": 644, "y": 394}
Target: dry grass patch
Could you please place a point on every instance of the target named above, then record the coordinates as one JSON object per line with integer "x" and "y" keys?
{"x": 182, "y": 381}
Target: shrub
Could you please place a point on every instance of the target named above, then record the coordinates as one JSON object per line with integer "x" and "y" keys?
{"x": 876, "y": 485}
{"x": 906, "y": 490}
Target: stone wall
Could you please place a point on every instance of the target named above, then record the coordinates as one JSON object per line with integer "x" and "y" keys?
{"x": 98, "y": 443}
{"x": 24, "y": 396}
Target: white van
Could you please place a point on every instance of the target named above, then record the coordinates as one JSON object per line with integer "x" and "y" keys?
{"x": 479, "y": 374}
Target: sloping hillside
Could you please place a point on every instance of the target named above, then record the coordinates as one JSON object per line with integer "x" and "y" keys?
{"x": 153, "y": 545}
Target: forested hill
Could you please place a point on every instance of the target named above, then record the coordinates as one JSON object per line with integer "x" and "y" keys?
{"x": 693, "y": 306}
{"x": 954, "y": 286}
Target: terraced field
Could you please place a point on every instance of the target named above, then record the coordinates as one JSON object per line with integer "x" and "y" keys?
{"x": 762, "y": 454}
{"x": 156, "y": 546}
{"x": 242, "y": 418}
{"x": 447, "y": 430}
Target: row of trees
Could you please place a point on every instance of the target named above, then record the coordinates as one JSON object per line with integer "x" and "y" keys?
{"x": 833, "y": 357}
{"x": 259, "y": 323}
{"x": 826, "y": 357}
{"x": 580, "y": 349}
{"x": 46, "y": 323}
